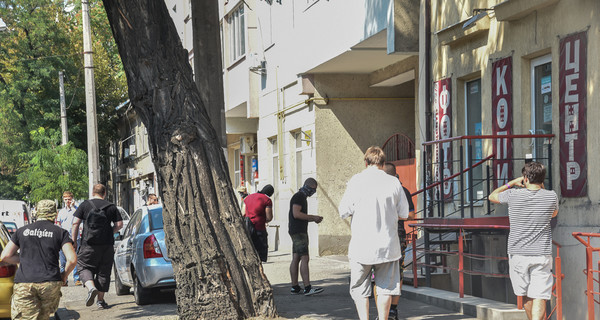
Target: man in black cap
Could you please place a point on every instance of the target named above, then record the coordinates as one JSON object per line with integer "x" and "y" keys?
{"x": 38, "y": 280}
{"x": 258, "y": 207}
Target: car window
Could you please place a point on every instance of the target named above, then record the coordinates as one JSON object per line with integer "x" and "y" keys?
{"x": 124, "y": 214}
{"x": 4, "y": 237}
{"x": 11, "y": 227}
{"x": 131, "y": 227}
{"x": 156, "y": 219}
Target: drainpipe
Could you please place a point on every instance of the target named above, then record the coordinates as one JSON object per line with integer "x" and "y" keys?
{"x": 428, "y": 116}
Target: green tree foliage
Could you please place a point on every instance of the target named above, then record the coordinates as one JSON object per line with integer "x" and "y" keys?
{"x": 54, "y": 168}
{"x": 43, "y": 38}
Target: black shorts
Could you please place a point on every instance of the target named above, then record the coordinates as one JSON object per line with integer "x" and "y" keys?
{"x": 95, "y": 263}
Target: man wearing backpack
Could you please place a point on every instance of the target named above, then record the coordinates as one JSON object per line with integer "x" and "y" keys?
{"x": 95, "y": 256}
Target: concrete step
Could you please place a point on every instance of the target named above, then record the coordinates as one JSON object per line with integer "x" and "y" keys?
{"x": 481, "y": 308}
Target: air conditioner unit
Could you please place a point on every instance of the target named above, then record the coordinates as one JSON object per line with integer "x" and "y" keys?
{"x": 132, "y": 150}
{"x": 247, "y": 144}
{"x": 132, "y": 173}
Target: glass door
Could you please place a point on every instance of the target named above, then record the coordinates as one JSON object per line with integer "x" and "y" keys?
{"x": 473, "y": 128}
{"x": 541, "y": 106}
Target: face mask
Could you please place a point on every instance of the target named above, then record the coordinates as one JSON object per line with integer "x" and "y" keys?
{"x": 308, "y": 191}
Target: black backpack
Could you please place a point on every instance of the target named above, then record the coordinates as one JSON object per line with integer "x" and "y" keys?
{"x": 98, "y": 229}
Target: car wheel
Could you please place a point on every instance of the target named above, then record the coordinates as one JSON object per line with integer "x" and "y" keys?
{"x": 120, "y": 288}
{"x": 141, "y": 294}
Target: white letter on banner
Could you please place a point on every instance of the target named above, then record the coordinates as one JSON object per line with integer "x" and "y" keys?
{"x": 570, "y": 86}
{"x": 502, "y": 113}
{"x": 501, "y": 146}
{"x": 444, "y": 99}
{"x": 501, "y": 81}
{"x": 445, "y": 127}
{"x": 575, "y": 63}
{"x": 571, "y": 118}
{"x": 573, "y": 172}
{"x": 570, "y": 139}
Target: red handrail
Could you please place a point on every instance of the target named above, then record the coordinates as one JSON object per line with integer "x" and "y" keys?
{"x": 454, "y": 175}
{"x": 559, "y": 276}
{"x": 589, "y": 270}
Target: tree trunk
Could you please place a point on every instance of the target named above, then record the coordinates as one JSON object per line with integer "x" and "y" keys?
{"x": 218, "y": 273}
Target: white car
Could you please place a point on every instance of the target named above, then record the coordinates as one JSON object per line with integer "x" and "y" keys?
{"x": 14, "y": 211}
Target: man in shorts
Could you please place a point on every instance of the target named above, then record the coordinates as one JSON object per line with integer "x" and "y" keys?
{"x": 390, "y": 169}
{"x": 530, "y": 209}
{"x": 375, "y": 201}
{"x": 96, "y": 254}
{"x": 38, "y": 280}
{"x": 298, "y": 230}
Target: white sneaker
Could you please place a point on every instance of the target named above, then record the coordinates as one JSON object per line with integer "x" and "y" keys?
{"x": 312, "y": 290}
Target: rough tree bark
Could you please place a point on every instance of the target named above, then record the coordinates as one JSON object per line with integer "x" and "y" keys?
{"x": 218, "y": 273}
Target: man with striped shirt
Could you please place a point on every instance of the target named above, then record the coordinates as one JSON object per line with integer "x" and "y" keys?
{"x": 530, "y": 208}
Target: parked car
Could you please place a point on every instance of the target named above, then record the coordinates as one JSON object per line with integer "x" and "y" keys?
{"x": 14, "y": 211}
{"x": 141, "y": 259}
{"x": 11, "y": 227}
{"x": 7, "y": 277}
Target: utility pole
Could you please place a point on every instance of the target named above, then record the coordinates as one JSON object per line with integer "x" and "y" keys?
{"x": 63, "y": 109}
{"x": 90, "y": 99}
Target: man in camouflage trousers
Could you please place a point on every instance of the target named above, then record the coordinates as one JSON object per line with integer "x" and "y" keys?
{"x": 38, "y": 280}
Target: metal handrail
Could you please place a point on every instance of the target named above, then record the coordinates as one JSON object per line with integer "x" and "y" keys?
{"x": 589, "y": 270}
{"x": 454, "y": 175}
{"x": 462, "y": 228}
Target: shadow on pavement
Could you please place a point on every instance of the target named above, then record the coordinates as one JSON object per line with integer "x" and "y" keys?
{"x": 163, "y": 304}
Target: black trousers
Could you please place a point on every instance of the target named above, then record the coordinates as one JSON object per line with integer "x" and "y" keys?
{"x": 260, "y": 241}
{"x": 95, "y": 262}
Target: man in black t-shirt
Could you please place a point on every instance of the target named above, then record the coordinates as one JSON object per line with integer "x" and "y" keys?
{"x": 298, "y": 230}
{"x": 38, "y": 280}
{"x": 96, "y": 254}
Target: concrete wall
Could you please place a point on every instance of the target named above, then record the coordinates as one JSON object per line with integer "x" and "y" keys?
{"x": 344, "y": 130}
{"x": 526, "y": 37}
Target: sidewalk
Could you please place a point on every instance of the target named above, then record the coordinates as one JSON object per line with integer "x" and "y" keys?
{"x": 330, "y": 273}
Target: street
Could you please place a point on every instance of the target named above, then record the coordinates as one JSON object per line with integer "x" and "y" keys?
{"x": 330, "y": 273}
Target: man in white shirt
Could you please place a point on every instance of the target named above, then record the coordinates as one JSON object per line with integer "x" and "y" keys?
{"x": 65, "y": 221}
{"x": 375, "y": 201}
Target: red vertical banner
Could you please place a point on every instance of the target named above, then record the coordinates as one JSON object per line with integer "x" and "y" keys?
{"x": 242, "y": 175}
{"x": 502, "y": 114}
{"x": 443, "y": 130}
{"x": 572, "y": 109}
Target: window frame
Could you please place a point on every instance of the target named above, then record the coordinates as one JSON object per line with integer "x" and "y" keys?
{"x": 236, "y": 23}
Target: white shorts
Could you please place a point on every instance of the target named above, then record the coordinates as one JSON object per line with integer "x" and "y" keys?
{"x": 387, "y": 279}
{"x": 531, "y": 276}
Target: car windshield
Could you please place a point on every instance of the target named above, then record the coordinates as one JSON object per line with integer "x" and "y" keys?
{"x": 11, "y": 227}
{"x": 156, "y": 219}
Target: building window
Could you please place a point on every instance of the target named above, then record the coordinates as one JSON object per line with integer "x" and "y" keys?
{"x": 237, "y": 33}
{"x": 473, "y": 128}
{"x": 275, "y": 156}
{"x": 541, "y": 102}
